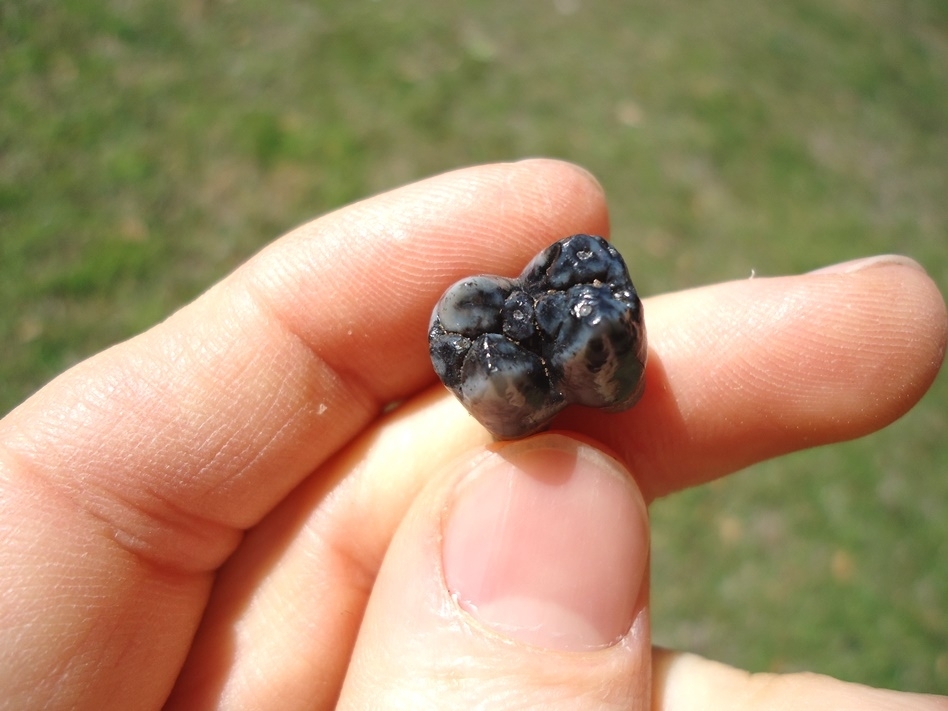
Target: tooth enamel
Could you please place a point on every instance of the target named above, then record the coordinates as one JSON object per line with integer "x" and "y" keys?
{"x": 569, "y": 329}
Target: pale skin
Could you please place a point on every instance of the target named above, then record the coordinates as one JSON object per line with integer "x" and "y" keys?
{"x": 224, "y": 513}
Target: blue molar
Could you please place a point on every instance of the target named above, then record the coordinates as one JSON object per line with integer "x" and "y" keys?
{"x": 569, "y": 329}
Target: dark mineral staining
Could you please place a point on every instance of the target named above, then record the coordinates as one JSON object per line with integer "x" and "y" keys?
{"x": 569, "y": 329}
{"x": 506, "y": 387}
{"x": 517, "y": 317}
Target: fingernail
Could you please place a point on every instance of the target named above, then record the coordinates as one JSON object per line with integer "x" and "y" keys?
{"x": 546, "y": 542}
{"x": 857, "y": 265}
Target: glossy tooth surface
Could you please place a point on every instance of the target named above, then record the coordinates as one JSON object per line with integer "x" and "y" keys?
{"x": 506, "y": 387}
{"x": 569, "y": 329}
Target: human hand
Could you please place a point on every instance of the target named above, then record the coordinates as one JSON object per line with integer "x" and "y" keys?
{"x": 223, "y": 509}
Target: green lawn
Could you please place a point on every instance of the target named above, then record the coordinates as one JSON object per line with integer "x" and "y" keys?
{"x": 148, "y": 147}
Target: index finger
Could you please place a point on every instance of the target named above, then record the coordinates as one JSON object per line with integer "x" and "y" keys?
{"x": 218, "y": 412}
{"x": 127, "y": 481}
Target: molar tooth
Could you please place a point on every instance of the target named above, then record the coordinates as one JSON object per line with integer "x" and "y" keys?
{"x": 569, "y": 329}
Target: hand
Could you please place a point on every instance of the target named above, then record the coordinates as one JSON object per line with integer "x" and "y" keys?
{"x": 226, "y": 509}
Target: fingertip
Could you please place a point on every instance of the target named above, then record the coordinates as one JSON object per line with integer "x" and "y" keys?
{"x": 932, "y": 324}
{"x": 686, "y": 681}
{"x": 540, "y": 199}
{"x": 880, "y": 260}
{"x": 576, "y": 179}
{"x": 518, "y": 578}
{"x": 585, "y": 195}
{"x": 909, "y": 323}
{"x": 750, "y": 369}
{"x": 547, "y": 543}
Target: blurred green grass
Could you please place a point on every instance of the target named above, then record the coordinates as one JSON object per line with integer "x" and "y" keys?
{"x": 146, "y": 148}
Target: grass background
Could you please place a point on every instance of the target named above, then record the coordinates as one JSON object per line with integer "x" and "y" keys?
{"x": 147, "y": 147}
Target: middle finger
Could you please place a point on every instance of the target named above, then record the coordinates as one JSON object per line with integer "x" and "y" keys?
{"x": 738, "y": 372}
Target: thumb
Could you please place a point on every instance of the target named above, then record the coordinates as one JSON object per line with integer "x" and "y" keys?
{"x": 517, "y": 579}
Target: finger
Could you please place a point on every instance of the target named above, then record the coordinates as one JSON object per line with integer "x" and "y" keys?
{"x": 682, "y": 682}
{"x": 131, "y": 476}
{"x": 224, "y": 407}
{"x": 745, "y": 371}
{"x": 291, "y": 599}
{"x": 516, "y": 580}
{"x": 318, "y": 554}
